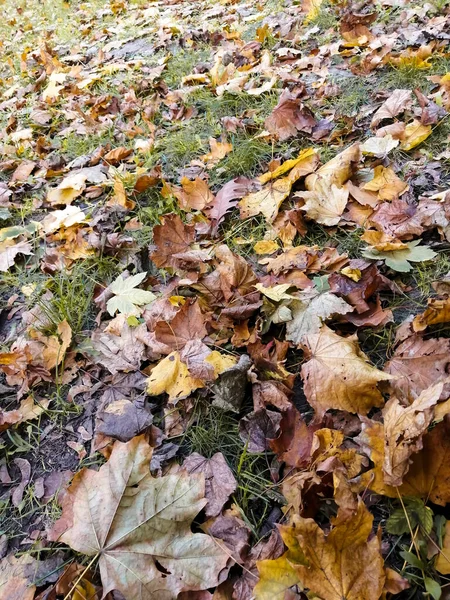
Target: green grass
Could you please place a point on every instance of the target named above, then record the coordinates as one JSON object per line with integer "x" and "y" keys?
{"x": 354, "y": 92}
{"x": 214, "y": 430}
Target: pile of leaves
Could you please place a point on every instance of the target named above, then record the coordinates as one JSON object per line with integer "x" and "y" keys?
{"x": 225, "y": 321}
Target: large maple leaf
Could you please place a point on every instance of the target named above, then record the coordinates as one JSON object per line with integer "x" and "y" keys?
{"x": 140, "y": 527}
{"x": 344, "y": 565}
{"x": 338, "y": 374}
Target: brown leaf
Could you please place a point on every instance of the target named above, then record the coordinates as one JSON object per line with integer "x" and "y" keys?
{"x": 23, "y": 171}
{"x": 403, "y": 430}
{"x": 193, "y": 195}
{"x": 417, "y": 364}
{"x": 438, "y": 311}
{"x": 27, "y": 411}
{"x": 257, "y": 429}
{"x": 188, "y": 324}
{"x": 115, "y": 156}
{"x": 140, "y": 527}
{"x": 294, "y": 443}
{"x": 397, "y": 102}
{"x": 16, "y": 575}
{"x": 227, "y": 197}
{"x": 332, "y": 566}
{"x": 9, "y": 250}
{"x": 288, "y": 117}
{"x": 171, "y": 237}
{"x": 219, "y": 479}
{"x": 338, "y": 375}
{"x": 123, "y": 419}
{"x": 429, "y": 473}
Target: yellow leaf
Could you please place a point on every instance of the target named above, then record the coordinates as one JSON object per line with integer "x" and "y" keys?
{"x": 267, "y": 200}
{"x": 443, "y": 560}
{"x": 172, "y": 376}
{"x": 338, "y": 375}
{"x": 220, "y": 362}
{"x": 287, "y": 165}
{"x": 353, "y": 274}
{"x": 266, "y": 247}
{"x": 415, "y": 134}
{"x": 386, "y": 183}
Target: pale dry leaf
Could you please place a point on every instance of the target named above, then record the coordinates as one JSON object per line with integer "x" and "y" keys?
{"x": 140, "y": 527}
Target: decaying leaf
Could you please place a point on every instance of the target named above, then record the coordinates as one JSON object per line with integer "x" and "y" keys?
{"x": 16, "y": 576}
{"x": 338, "y": 375}
{"x": 139, "y": 527}
{"x": 403, "y": 430}
{"x": 332, "y": 566}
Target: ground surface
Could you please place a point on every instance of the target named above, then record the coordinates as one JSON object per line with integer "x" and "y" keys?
{"x": 224, "y": 254}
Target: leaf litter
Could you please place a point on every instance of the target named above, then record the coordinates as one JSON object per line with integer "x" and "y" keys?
{"x": 225, "y": 307}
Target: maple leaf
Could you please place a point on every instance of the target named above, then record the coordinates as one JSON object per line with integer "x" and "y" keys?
{"x": 9, "y": 250}
{"x": 399, "y": 260}
{"x": 126, "y": 297}
{"x": 16, "y": 575}
{"x": 417, "y": 364}
{"x": 403, "y": 430}
{"x": 332, "y": 567}
{"x": 309, "y": 312}
{"x": 415, "y": 134}
{"x": 27, "y": 411}
{"x": 325, "y": 197}
{"x": 386, "y": 183}
{"x": 438, "y": 311}
{"x": 139, "y": 526}
{"x": 193, "y": 194}
{"x": 172, "y": 237}
{"x": 172, "y": 376}
{"x": 397, "y": 102}
{"x": 428, "y": 476}
{"x": 288, "y": 117}
{"x": 188, "y": 324}
{"x": 338, "y": 375}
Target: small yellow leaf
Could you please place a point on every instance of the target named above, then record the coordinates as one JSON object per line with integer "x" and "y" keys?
{"x": 266, "y": 247}
{"x": 172, "y": 376}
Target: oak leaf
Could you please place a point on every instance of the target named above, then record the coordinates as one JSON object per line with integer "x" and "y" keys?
{"x": 140, "y": 527}
{"x": 338, "y": 375}
{"x": 403, "y": 430}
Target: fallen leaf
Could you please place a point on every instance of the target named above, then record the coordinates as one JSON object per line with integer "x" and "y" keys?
{"x": 415, "y": 134}
{"x": 16, "y": 575}
{"x": 27, "y": 411}
{"x": 403, "y": 430}
{"x": 332, "y": 566}
{"x": 116, "y": 155}
{"x": 171, "y": 237}
{"x": 172, "y": 376}
{"x": 9, "y": 250}
{"x": 140, "y": 526}
{"x": 437, "y": 311}
{"x": 337, "y": 374}
{"x": 429, "y": 473}
{"x": 218, "y": 151}
{"x": 379, "y": 146}
{"x": 219, "y": 479}
{"x": 417, "y": 364}
{"x": 398, "y": 102}
{"x": 442, "y": 563}
{"x": 386, "y": 183}
{"x": 310, "y": 311}
{"x": 193, "y": 195}
{"x": 288, "y": 117}
{"x": 399, "y": 260}
{"x": 188, "y": 324}
{"x": 126, "y": 295}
